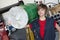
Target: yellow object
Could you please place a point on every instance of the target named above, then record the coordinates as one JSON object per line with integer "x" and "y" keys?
{"x": 30, "y": 35}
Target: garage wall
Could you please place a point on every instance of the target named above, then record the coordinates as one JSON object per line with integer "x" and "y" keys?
{"x": 28, "y": 1}
{"x": 54, "y": 1}
{"x": 4, "y": 3}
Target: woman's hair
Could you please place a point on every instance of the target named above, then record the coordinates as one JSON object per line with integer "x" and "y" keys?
{"x": 1, "y": 18}
{"x": 42, "y": 6}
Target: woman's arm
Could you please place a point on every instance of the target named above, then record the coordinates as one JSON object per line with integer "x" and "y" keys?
{"x": 29, "y": 25}
{"x": 57, "y": 27}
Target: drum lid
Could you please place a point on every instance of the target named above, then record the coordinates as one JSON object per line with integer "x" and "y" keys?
{"x": 17, "y": 17}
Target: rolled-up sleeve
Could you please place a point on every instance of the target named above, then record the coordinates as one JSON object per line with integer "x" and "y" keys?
{"x": 30, "y": 25}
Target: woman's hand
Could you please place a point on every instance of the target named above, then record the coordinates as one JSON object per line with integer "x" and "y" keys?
{"x": 27, "y": 25}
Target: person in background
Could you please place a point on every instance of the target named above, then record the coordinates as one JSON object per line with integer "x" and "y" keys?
{"x": 3, "y": 33}
{"x": 43, "y": 27}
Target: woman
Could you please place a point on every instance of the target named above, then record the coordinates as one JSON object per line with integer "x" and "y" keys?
{"x": 44, "y": 27}
{"x": 3, "y": 33}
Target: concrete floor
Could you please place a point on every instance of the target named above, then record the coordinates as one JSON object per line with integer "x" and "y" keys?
{"x": 57, "y": 36}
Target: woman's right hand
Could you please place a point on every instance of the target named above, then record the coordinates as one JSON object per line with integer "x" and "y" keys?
{"x": 27, "y": 25}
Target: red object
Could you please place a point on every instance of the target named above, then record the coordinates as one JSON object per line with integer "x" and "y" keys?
{"x": 3, "y": 33}
{"x": 42, "y": 27}
{"x": 55, "y": 24}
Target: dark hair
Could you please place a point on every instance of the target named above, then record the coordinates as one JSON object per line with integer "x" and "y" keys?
{"x": 1, "y": 18}
{"x": 42, "y": 6}
{"x": 21, "y": 2}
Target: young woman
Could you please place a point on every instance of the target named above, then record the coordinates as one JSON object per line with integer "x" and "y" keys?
{"x": 44, "y": 27}
{"x": 3, "y": 33}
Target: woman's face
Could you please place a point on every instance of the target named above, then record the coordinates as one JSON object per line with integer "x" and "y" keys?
{"x": 41, "y": 12}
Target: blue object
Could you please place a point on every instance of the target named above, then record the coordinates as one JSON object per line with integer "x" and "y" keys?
{"x": 49, "y": 29}
{"x": 11, "y": 27}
